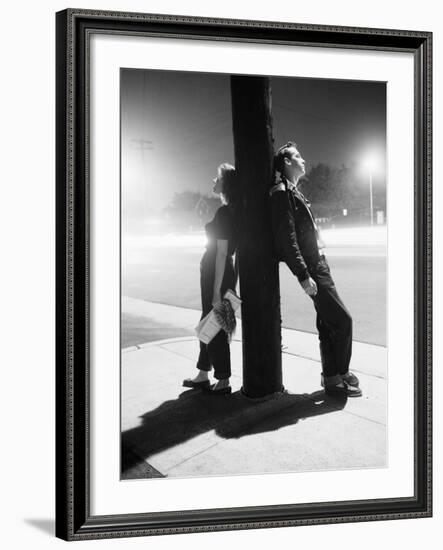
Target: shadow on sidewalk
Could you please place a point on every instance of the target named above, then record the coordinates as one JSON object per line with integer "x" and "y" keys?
{"x": 233, "y": 416}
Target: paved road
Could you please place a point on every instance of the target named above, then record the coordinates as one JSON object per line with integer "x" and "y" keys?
{"x": 166, "y": 273}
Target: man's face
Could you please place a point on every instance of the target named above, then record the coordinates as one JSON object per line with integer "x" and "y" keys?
{"x": 294, "y": 163}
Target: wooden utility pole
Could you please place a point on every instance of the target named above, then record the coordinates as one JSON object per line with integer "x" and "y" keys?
{"x": 258, "y": 268}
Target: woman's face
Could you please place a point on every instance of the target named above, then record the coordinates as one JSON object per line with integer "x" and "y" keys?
{"x": 218, "y": 185}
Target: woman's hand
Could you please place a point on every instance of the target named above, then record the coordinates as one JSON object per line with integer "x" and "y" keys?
{"x": 216, "y": 298}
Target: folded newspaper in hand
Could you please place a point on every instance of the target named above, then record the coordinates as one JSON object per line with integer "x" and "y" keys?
{"x": 209, "y": 326}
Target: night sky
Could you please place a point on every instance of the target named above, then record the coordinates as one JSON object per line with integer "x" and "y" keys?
{"x": 177, "y": 128}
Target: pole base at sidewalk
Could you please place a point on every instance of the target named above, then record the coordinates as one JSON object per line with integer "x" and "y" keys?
{"x": 262, "y": 397}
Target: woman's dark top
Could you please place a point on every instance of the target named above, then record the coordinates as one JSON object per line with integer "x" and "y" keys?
{"x": 222, "y": 228}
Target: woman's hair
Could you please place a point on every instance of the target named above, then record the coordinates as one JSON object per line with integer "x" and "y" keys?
{"x": 230, "y": 185}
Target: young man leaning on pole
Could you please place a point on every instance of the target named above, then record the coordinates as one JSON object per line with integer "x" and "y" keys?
{"x": 298, "y": 244}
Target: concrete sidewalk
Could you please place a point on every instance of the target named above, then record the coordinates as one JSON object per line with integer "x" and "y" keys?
{"x": 171, "y": 431}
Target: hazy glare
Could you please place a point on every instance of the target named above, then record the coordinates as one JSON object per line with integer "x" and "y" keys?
{"x": 177, "y": 128}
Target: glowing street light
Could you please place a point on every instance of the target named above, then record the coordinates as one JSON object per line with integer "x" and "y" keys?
{"x": 369, "y": 165}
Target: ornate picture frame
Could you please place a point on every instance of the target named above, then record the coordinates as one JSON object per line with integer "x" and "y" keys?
{"x": 74, "y": 519}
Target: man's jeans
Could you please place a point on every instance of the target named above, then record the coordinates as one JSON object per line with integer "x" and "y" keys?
{"x": 334, "y": 322}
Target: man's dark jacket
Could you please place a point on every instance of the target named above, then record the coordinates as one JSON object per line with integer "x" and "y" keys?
{"x": 294, "y": 230}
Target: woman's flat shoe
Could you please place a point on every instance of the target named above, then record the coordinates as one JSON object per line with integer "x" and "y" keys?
{"x": 221, "y": 391}
{"x": 189, "y": 383}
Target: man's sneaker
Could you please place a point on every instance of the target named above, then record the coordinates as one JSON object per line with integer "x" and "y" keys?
{"x": 349, "y": 378}
{"x": 343, "y": 389}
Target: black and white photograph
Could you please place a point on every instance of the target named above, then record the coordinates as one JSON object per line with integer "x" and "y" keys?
{"x": 220, "y": 231}
{"x": 254, "y": 224}
{"x": 243, "y": 276}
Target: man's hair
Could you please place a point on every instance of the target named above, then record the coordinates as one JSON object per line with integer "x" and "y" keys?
{"x": 230, "y": 186}
{"x": 281, "y": 154}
